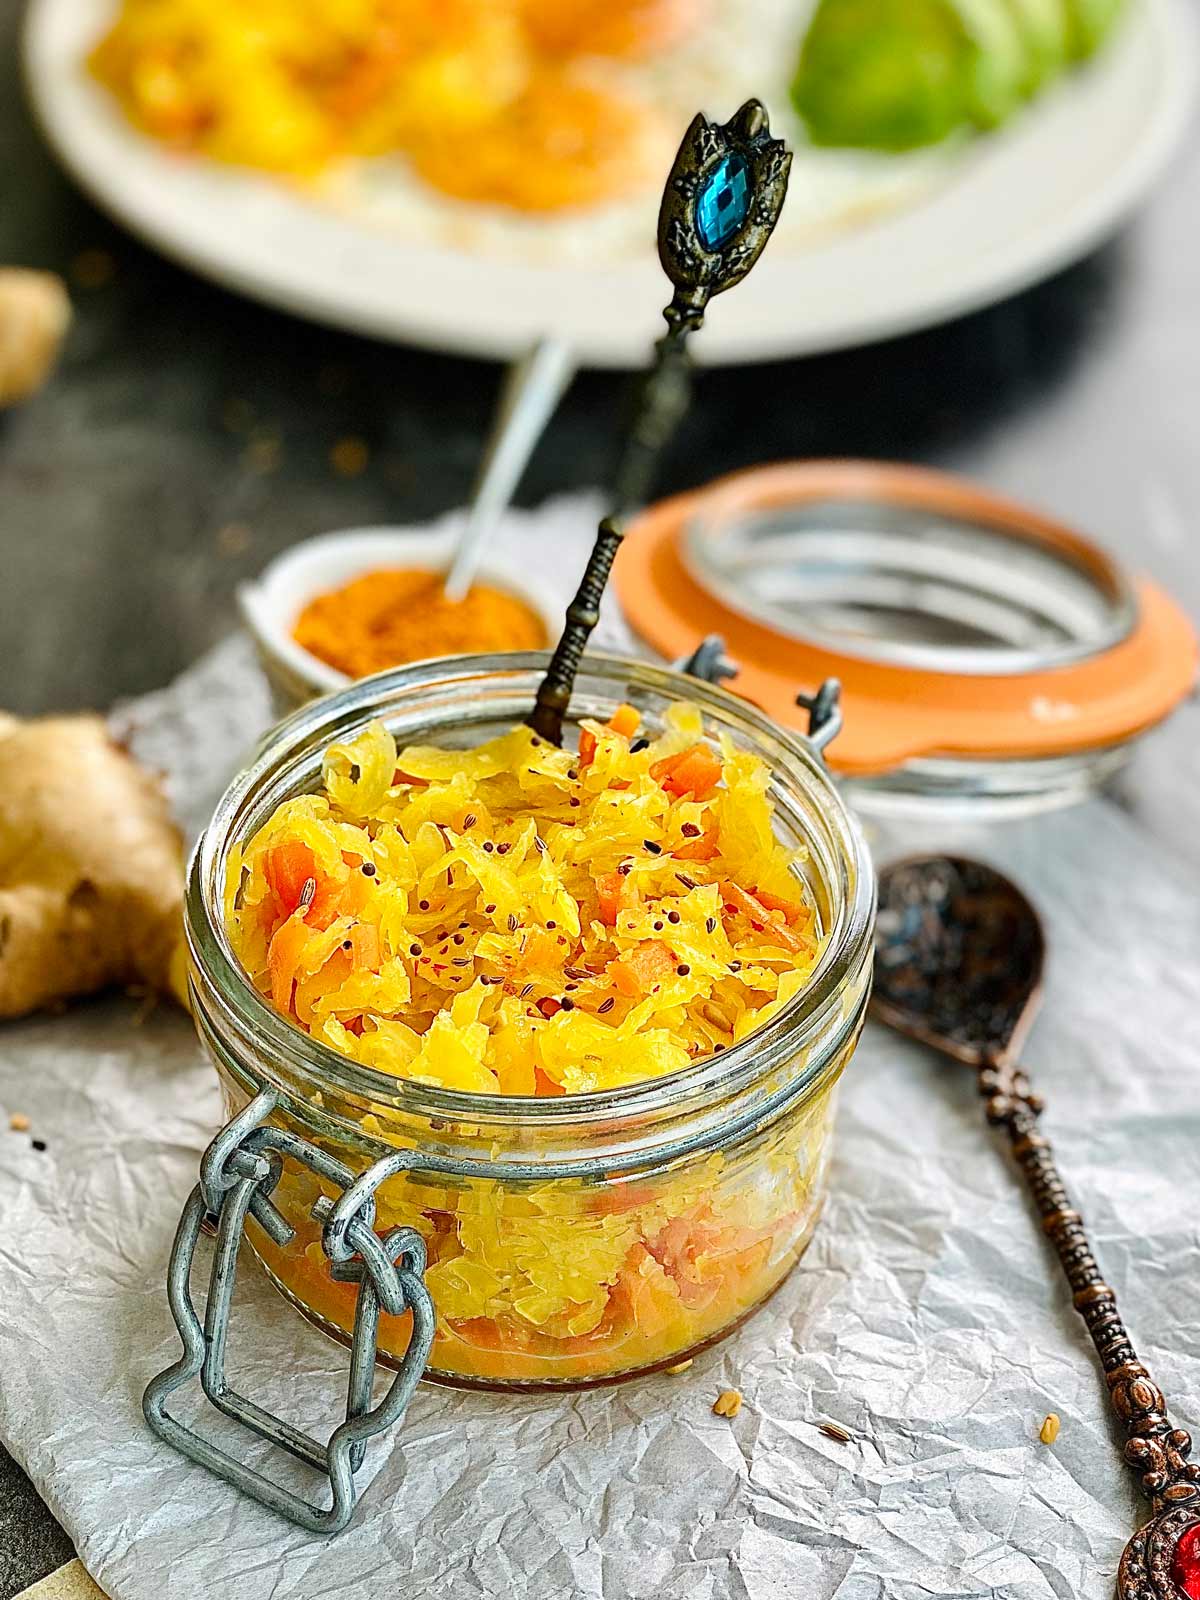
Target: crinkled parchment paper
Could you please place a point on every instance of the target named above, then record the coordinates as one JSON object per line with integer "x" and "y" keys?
{"x": 927, "y": 1318}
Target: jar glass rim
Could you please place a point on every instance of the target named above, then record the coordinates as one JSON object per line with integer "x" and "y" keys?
{"x": 810, "y": 1015}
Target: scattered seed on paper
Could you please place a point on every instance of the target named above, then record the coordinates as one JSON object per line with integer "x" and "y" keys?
{"x": 835, "y": 1431}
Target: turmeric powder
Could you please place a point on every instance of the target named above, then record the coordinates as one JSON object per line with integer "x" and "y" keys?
{"x": 392, "y": 616}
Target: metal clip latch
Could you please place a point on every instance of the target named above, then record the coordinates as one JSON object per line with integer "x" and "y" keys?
{"x": 238, "y": 1173}
{"x": 708, "y": 661}
{"x": 824, "y": 713}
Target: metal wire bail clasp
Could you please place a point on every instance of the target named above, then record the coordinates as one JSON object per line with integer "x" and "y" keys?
{"x": 824, "y": 713}
{"x": 708, "y": 661}
{"x": 238, "y": 1173}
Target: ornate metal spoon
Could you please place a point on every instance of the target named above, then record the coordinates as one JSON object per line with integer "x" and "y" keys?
{"x": 721, "y": 203}
{"x": 958, "y": 965}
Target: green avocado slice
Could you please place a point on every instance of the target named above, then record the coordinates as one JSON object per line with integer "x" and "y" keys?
{"x": 1000, "y": 67}
{"x": 1089, "y": 23}
{"x": 898, "y": 74}
{"x": 1043, "y": 25}
{"x": 884, "y": 74}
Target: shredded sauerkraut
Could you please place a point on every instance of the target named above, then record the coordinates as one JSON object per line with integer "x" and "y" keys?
{"x": 520, "y": 919}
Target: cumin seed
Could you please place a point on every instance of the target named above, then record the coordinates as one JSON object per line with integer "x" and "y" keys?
{"x": 835, "y": 1431}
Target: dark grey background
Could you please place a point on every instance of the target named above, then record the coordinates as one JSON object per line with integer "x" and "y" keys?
{"x": 186, "y": 438}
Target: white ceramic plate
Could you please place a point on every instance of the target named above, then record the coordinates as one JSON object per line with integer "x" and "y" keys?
{"x": 1017, "y": 206}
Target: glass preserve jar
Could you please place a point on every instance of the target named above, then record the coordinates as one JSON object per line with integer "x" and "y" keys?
{"x": 571, "y": 1240}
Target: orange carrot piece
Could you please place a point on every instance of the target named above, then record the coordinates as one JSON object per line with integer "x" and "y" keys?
{"x": 288, "y": 867}
{"x": 793, "y": 910}
{"x": 696, "y": 771}
{"x": 364, "y": 945}
{"x": 624, "y": 720}
{"x": 543, "y": 951}
{"x": 283, "y": 958}
{"x": 348, "y": 900}
{"x": 702, "y": 849}
{"x": 329, "y": 977}
{"x": 614, "y": 1198}
{"x": 698, "y": 774}
{"x": 636, "y": 973}
{"x": 616, "y": 894}
{"x": 760, "y": 917}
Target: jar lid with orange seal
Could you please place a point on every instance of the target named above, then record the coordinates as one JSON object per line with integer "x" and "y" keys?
{"x": 989, "y": 657}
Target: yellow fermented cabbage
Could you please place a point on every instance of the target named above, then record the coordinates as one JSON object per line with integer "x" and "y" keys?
{"x": 520, "y": 919}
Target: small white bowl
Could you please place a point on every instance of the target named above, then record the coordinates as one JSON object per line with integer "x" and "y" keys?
{"x": 271, "y": 604}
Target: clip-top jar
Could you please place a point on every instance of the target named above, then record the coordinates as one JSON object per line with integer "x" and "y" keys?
{"x": 576, "y": 1239}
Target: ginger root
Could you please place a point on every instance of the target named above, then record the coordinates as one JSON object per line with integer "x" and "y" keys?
{"x": 34, "y": 314}
{"x": 91, "y": 867}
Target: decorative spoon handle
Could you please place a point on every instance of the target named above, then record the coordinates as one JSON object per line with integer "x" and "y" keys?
{"x": 722, "y": 200}
{"x": 1156, "y": 1450}
{"x": 720, "y": 205}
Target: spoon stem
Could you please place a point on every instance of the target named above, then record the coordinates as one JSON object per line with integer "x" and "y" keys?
{"x": 662, "y": 402}
{"x": 1156, "y": 1450}
{"x": 554, "y": 691}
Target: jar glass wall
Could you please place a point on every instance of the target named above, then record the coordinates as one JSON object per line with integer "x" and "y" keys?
{"x": 580, "y": 1238}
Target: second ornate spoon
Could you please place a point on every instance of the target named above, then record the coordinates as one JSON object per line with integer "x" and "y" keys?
{"x": 958, "y": 966}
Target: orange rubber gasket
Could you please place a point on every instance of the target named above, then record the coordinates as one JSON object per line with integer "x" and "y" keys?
{"x": 896, "y": 714}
